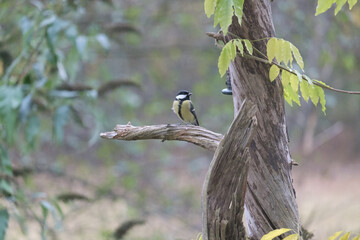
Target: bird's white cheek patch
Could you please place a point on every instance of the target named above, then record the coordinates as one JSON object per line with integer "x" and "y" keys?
{"x": 181, "y": 96}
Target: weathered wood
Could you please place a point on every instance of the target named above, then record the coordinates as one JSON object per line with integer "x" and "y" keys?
{"x": 193, "y": 134}
{"x": 224, "y": 188}
{"x": 270, "y": 199}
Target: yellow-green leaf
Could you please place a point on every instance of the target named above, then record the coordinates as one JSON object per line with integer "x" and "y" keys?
{"x": 314, "y": 97}
{"x": 274, "y": 72}
{"x": 275, "y": 233}
{"x": 351, "y": 4}
{"x": 287, "y": 98}
{"x": 285, "y": 52}
{"x": 285, "y": 78}
{"x": 294, "y": 82}
{"x": 304, "y": 88}
{"x": 297, "y": 56}
{"x": 321, "y": 94}
{"x": 272, "y": 48}
{"x": 323, "y": 5}
{"x": 294, "y": 96}
{"x": 356, "y": 238}
{"x": 339, "y": 5}
{"x": 227, "y": 54}
{"x": 223, "y": 14}
{"x": 345, "y": 236}
{"x": 294, "y": 236}
{"x": 248, "y": 46}
{"x": 333, "y": 237}
{"x": 238, "y": 9}
{"x": 239, "y": 46}
{"x": 209, "y": 6}
{"x": 232, "y": 50}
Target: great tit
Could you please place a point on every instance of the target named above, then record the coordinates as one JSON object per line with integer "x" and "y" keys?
{"x": 184, "y": 108}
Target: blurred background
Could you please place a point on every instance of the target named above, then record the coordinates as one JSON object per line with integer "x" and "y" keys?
{"x": 74, "y": 68}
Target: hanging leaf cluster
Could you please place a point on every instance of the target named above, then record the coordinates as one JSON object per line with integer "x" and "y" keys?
{"x": 285, "y": 52}
{"x": 229, "y": 51}
{"x": 324, "y": 5}
{"x": 223, "y": 10}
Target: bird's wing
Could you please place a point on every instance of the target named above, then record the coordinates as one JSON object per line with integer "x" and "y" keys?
{"x": 192, "y": 109}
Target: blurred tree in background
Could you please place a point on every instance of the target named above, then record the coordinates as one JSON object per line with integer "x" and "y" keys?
{"x": 69, "y": 69}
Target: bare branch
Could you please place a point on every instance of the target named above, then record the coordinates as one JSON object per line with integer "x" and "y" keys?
{"x": 193, "y": 134}
{"x": 102, "y": 90}
{"x": 114, "y": 84}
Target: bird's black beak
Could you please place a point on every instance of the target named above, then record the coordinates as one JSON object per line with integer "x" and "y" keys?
{"x": 190, "y": 94}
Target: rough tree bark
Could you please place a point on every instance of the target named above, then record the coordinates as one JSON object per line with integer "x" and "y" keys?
{"x": 270, "y": 197}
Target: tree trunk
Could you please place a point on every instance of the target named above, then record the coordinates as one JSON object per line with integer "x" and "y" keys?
{"x": 270, "y": 197}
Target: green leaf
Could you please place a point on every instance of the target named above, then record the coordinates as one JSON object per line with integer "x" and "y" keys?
{"x": 6, "y": 187}
{"x": 248, "y": 46}
{"x": 103, "y": 40}
{"x": 224, "y": 59}
{"x": 272, "y": 48}
{"x": 294, "y": 236}
{"x": 304, "y": 88}
{"x": 285, "y": 78}
{"x": 274, "y": 72}
{"x": 314, "y": 97}
{"x": 275, "y": 233}
{"x": 352, "y": 3}
{"x": 223, "y": 14}
{"x": 238, "y": 9}
{"x": 294, "y": 82}
{"x": 4, "y": 220}
{"x": 323, "y": 5}
{"x": 293, "y": 95}
{"x": 339, "y": 5}
{"x": 356, "y": 238}
{"x": 239, "y": 46}
{"x": 81, "y": 45}
{"x": 209, "y": 6}
{"x": 285, "y": 51}
{"x": 60, "y": 119}
{"x": 335, "y": 235}
{"x": 321, "y": 95}
{"x": 232, "y": 50}
{"x": 346, "y": 236}
{"x": 297, "y": 56}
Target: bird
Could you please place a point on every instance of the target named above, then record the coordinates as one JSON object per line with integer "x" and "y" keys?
{"x": 184, "y": 108}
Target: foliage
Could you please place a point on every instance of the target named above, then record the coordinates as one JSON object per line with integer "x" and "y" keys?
{"x": 295, "y": 236}
{"x": 284, "y": 52}
{"x": 4, "y": 219}
{"x": 223, "y": 12}
{"x": 324, "y": 5}
{"x": 42, "y": 52}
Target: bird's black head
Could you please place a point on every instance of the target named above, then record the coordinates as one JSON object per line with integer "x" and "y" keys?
{"x": 183, "y": 95}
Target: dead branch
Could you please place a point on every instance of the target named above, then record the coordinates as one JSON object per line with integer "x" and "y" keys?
{"x": 193, "y": 134}
{"x": 224, "y": 188}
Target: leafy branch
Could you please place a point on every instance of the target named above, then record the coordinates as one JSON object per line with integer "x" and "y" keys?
{"x": 280, "y": 56}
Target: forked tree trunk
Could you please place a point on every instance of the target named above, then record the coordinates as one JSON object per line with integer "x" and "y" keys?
{"x": 270, "y": 197}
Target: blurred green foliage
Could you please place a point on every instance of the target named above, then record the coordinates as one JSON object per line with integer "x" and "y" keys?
{"x": 56, "y": 56}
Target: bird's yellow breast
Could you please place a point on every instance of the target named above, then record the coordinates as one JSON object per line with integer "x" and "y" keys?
{"x": 186, "y": 114}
